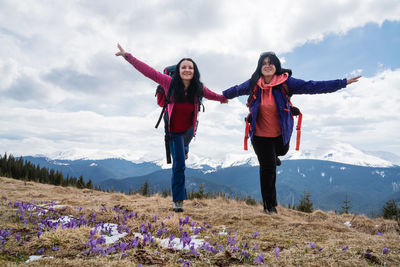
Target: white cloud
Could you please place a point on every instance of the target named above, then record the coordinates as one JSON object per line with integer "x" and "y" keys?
{"x": 62, "y": 88}
{"x": 365, "y": 114}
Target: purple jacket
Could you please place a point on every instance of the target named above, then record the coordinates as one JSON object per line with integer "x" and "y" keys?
{"x": 164, "y": 80}
{"x": 296, "y": 86}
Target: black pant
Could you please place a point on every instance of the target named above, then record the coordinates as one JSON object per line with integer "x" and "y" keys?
{"x": 267, "y": 149}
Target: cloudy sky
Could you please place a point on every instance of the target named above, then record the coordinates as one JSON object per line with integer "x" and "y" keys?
{"x": 64, "y": 92}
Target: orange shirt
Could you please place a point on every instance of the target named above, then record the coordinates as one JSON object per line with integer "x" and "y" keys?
{"x": 267, "y": 124}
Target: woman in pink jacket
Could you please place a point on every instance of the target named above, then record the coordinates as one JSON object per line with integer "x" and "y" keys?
{"x": 184, "y": 91}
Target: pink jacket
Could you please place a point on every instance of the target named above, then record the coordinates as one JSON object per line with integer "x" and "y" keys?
{"x": 164, "y": 80}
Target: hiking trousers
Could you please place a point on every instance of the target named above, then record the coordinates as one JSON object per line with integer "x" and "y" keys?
{"x": 179, "y": 145}
{"x": 267, "y": 149}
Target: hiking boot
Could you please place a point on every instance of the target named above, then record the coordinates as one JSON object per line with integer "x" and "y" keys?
{"x": 180, "y": 205}
{"x": 278, "y": 162}
{"x": 177, "y": 206}
{"x": 273, "y": 210}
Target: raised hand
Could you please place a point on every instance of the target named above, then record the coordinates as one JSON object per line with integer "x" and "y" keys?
{"x": 353, "y": 80}
{"x": 121, "y": 51}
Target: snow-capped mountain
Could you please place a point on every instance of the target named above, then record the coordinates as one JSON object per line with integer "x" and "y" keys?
{"x": 332, "y": 151}
{"x": 343, "y": 153}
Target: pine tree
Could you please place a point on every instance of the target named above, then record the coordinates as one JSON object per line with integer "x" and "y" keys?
{"x": 346, "y": 207}
{"x": 391, "y": 211}
{"x": 81, "y": 183}
{"x": 89, "y": 184}
{"x": 144, "y": 189}
{"x": 305, "y": 203}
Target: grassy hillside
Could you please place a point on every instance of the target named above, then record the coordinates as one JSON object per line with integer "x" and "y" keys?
{"x": 227, "y": 232}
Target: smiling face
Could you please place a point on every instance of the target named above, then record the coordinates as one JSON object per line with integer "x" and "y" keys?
{"x": 267, "y": 69}
{"x": 186, "y": 70}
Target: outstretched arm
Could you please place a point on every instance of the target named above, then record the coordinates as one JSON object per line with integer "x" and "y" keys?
{"x": 298, "y": 86}
{"x": 237, "y": 90}
{"x": 214, "y": 96}
{"x": 146, "y": 70}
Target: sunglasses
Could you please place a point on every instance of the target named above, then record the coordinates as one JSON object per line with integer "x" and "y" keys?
{"x": 267, "y": 54}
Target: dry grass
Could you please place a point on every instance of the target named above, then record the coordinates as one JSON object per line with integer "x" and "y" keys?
{"x": 290, "y": 230}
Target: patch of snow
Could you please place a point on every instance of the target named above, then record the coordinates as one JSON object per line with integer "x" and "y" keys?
{"x": 347, "y": 223}
{"x": 381, "y": 173}
{"x": 35, "y": 258}
{"x": 112, "y": 232}
{"x": 178, "y": 245}
{"x": 322, "y": 174}
{"x": 62, "y": 219}
{"x": 93, "y": 164}
{"x": 396, "y": 186}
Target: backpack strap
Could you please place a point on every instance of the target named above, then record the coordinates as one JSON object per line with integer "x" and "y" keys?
{"x": 294, "y": 111}
{"x": 252, "y": 96}
{"x": 161, "y": 115}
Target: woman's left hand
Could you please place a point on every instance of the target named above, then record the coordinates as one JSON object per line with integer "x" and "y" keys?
{"x": 121, "y": 51}
{"x": 353, "y": 80}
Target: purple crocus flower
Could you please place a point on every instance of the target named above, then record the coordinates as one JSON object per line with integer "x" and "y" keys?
{"x": 344, "y": 248}
{"x": 186, "y": 220}
{"x": 186, "y": 263}
{"x": 159, "y": 232}
{"x": 379, "y": 233}
{"x": 143, "y": 228}
{"x": 245, "y": 254}
{"x": 55, "y": 248}
{"x": 93, "y": 232}
{"x": 385, "y": 251}
{"x": 110, "y": 250}
{"x": 311, "y": 244}
{"x": 193, "y": 250}
{"x": 197, "y": 230}
{"x": 260, "y": 258}
{"x": 101, "y": 240}
{"x": 39, "y": 233}
{"x": 18, "y": 237}
{"x": 123, "y": 246}
{"x": 231, "y": 241}
{"x": 40, "y": 251}
{"x": 277, "y": 251}
{"x": 255, "y": 235}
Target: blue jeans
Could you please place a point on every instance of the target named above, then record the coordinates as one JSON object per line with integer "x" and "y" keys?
{"x": 179, "y": 145}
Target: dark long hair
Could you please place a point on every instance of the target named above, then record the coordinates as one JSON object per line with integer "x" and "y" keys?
{"x": 176, "y": 87}
{"x": 273, "y": 59}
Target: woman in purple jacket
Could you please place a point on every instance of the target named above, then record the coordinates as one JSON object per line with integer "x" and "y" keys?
{"x": 184, "y": 91}
{"x": 271, "y": 125}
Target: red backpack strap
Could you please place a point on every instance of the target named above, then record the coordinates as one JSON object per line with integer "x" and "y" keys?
{"x": 246, "y": 131}
{"x": 298, "y": 128}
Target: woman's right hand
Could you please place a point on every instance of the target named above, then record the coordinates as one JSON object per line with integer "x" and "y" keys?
{"x": 121, "y": 51}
